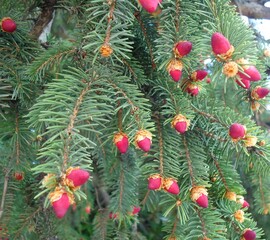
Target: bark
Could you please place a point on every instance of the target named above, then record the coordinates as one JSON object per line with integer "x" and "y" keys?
{"x": 253, "y": 8}
{"x": 44, "y": 18}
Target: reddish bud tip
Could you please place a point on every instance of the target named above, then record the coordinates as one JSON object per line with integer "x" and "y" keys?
{"x": 262, "y": 92}
{"x": 155, "y": 182}
{"x": 251, "y": 74}
{"x": 245, "y": 204}
{"x": 171, "y": 186}
{"x": 244, "y": 83}
{"x": 176, "y": 75}
{"x": 88, "y": 209}
{"x": 136, "y": 210}
{"x": 61, "y": 206}
{"x": 193, "y": 90}
{"x": 121, "y": 142}
{"x": 182, "y": 48}
{"x": 113, "y": 215}
{"x": 220, "y": 44}
{"x": 149, "y": 5}
{"x": 78, "y": 176}
{"x": 181, "y": 127}
{"x": 8, "y": 25}
{"x": 237, "y": 131}
{"x": 202, "y": 201}
{"x": 199, "y": 75}
{"x": 249, "y": 234}
{"x": 19, "y": 176}
{"x": 208, "y": 80}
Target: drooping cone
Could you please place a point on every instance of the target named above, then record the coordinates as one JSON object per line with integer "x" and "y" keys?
{"x": 192, "y": 89}
{"x": 155, "y": 182}
{"x": 198, "y": 75}
{"x": 180, "y": 123}
{"x": 76, "y": 176}
{"x": 150, "y": 5}
{"x": 220, "y": 44}
{"x": 250, "y": 73}
{"x": 19, "y": 176}
{"x": 259, "y": 92}
{"x": 174, "y": 68}
{"x": 244, "y": 83}
{"x": 250, "y": 141}
{"x": 143, "y": 140}
{"x": 170, "y": 185}
{"x": 182, "y": 48}
{"x": 199, "y": 195}
{"x": 136, "y": 210}
{"x": 237, "y": 131}
{"x": 239, "y": 216}
{"x": 248, "y": 234}
{"x": 121, "y": 142}
{"x": 230, "y": 69}
{"x": 88, "y": 209}
{"x": 60, "y": 201}
{"x": 8, "y": 25}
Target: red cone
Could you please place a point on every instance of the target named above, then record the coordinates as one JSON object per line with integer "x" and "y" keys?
{"x": 155, "y": 182}
{"x": 193, "y": 90}
{"x": 199, "y": 75}
{"x": 176, "y": 75}
{"x": 251, "y": 74}
{"x": 259, "y": 93}
{"x": 202, "y": 201}
{"x": 150, "y": 5}
{"x": 136, "y": 210}
{"x": 244, "y": 83}
{"x": 220, "y": 44}
{"x": 237, "y": 131}
{"x": 181, "y": 127}
{"x": 143, "y": 140}
{"x": 245, "y": 204}
{"x": 121, "y": 142}
{"x": 8, "y": 25}
{"x": 77, "y": 176}
{"x": 182, "y": 48}
{"x": 170, "y": 185}
{"x": 61, "y": 206}
{"x": 249, "y": 234}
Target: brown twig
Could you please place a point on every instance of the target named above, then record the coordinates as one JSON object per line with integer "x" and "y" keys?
{"x": 160, "y": 143}
{"x": 4, "y": 194}
{"x": 110, "y": 18}
{"x": 17, "y": 138}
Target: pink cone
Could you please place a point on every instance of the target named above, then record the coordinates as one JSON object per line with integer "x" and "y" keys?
{"x": 181, "y": 127}
{"x": 194, "y": 91}
{"x": 136, "y": 210}
{"x": 149, "y": 5}
{"x": 144, "y": 144}
{"x": 262, "y": 92}
{"x": 176, "y": 75}
{"x": 237, "y": 131}
{"x": 249, "y": 235}
{"x": 122, "y": 145}
{"x": 252, "y": 74}
{"x": 154, "y": 183}
{"x": 8, "y": 25}
{"x": 244, "y": 83}
{"x": 202, "y": 201}
{"x": 220, "y": 44}
{"x": 78, "y": 177}
{"x": 245, "y": 204}
{"x": 183, "y": 48}
{"x": 61, "y": 206}
{"x": 173, "y": 188}
{"x": 201, "y": 74}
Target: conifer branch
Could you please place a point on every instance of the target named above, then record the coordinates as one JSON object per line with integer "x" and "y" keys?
{"x": 193, "y": 182}
{"x": 160, "y": 143}
{"x": 262, "y": 192}
{"x": 220, "y": 172}
{"x": 149, "y": 45}
{"x": 121, "y": 183}
{"x": 211, "y": 135}
{"x": 202, "y": 222}
{"x": 177, "y": 14}
{"x": 174, "y": 226}
{"x": 17, "y": 137}
{"x": 112, "y": 4}
{"x": 4, "y": 193}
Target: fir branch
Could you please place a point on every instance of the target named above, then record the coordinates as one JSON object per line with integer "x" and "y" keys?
{"x": 193, "y": 182}
{"x": 160, "y": 143}
{"x": 17, "y": 138}
{"x": 4, "y": 193}
{"x": 211, "y": 135}
{"x": 201, "y": 221}
{"x": 262, "y": 193}
{"x": 112, "y": 4}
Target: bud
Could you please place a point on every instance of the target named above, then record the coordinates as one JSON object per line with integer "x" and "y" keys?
{"x": 221, "y": 47}
{"x": 266, "y": 53}
{"x": 8, "y": 25}
{"x": 259, "y": 93}
{"x": 155, "y": 182}
{"x": 250, "y": 141}
{"x": 237, "y": 131}
{"x": 170, "y": 185}
{"x": 121, "y": 142}
{"x": 200, "y": 196}
{"x": 180, "y": 123}
{"x": 244, "y": 83}
{"x": 76, "y": 177}
{"x": 230, "y": 69}
{"x": 192, "y": 89}
{"x": 230, "y": 196}
{"x": 19, "y": 176}
{"x": 239, "y": 216}
{"x": 198, "y": 75}
{"x": 106, "y": 50}
{"x": 208, "y": 80}
{"x": 88, "y": 209}
{"x": 150, "y": 5}
{"x": 248, "y": 234}
{"x": 242, "y": 201}
{"x": 174, "y": 68}
{"x": 182, "y": 48}
{"x": 136, "y": 210}
{"x": 113, "y": 215}
{"x": 143, "y": 140}
{"x": 250, "y": 73}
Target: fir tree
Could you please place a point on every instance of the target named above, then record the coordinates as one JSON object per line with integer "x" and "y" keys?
{"x": 116, "y": 128}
